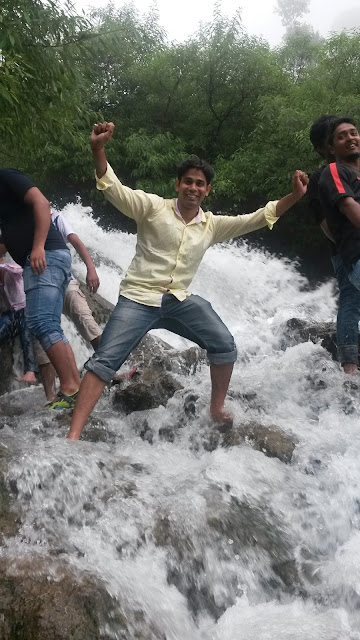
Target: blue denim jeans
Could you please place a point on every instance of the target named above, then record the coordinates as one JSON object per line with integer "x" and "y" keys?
{"x": 193, "y": 318}
{"x": 45, "y": 295}
{"x": 347, "y": 328}
{"x": 13, "y": 324}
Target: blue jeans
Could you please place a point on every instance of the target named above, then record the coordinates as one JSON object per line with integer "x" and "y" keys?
{"x": 13, "y": 324}
{"x": 45, "y": 295}
{"x": 194, "y": 318}
{"x": 347, "y": 329}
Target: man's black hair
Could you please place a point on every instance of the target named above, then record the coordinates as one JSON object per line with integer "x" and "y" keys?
{"x": 194, "y": 162}
{"x": 319, "y": 130}
{"x": 334, "y": 125}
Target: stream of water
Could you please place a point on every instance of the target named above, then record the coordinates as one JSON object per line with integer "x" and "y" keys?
{"x": 192, "y": 537}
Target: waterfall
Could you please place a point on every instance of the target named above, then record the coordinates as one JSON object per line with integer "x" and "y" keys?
{"x": 211, "y": 543}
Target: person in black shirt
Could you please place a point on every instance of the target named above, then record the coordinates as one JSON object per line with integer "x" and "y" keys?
{"x": 349, "y": 297}
{"x": 340, "y": 194}
{"x": 35, "y": 244}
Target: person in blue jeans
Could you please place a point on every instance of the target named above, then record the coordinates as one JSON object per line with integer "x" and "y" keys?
{"x": 172, "y": 238}
{"x": 12, "y": 315}
{"x": 35, "y": 244}
{"x": 348, "y": 315}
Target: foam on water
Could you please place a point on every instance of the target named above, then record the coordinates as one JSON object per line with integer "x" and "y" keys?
{"x": 148, "y": 520}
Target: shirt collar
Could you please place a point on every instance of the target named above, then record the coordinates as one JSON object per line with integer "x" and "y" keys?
{"x": 200, "y": 216}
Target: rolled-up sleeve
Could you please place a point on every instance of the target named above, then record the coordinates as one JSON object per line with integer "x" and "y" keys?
{"x": 227, "y": 227}
{"x": 133, "y": 203}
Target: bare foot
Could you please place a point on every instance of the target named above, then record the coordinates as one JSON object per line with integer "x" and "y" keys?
{"x": 126, "y": 375}
{"x": 350, "y": 368}
{"x": 220, "y": 416}
{"x": 28, "y": 377}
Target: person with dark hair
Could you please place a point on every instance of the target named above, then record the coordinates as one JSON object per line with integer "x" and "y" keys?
{"x": 172, "y": 237}
{"x": 333, "y": 127}
{"x": 339, "y": 189}
{"x": 194, "y": 162}
{"x": 35, "y": 244}
{"x": 348, "y": 315}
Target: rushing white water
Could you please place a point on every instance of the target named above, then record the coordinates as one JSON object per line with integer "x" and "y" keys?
{"x": 165, "y": 525}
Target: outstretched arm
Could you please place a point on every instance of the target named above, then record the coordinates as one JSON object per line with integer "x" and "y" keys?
{"x": 41, "y": 210}
{"x": 92, "y": 279}
{"x": 100, "y": 135}
{"x": 226, "y": 227}
{"x": 299, "y": 186}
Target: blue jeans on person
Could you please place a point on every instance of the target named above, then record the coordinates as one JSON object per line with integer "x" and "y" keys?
{"x": 45, "y": 295}
{"x": 193, "y": 318}
{"x": 12, "y": 324}
{"x": 347, "y": 328}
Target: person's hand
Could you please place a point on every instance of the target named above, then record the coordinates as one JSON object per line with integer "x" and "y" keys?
{"x": 92, "y": 280}
{"x": 101, "y": 134}
{"x": 299, "y": 182}
{"x": 38, "y": 260}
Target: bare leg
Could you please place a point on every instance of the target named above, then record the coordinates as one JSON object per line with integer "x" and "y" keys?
{"x": 90, "y": 391}
{"x": 350, "y": 367}
{"x": 63, "y": 361}
{"x": 74, "y": 369}
{"x": 48, "y": 375}
{"x": 220, "y": 379}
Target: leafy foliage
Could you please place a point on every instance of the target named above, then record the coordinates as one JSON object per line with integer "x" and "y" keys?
{"x": 222, "y": 94}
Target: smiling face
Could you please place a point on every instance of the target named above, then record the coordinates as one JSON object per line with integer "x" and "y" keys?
{"x": 192, "y": 188}
{"x": 346, "y": 142}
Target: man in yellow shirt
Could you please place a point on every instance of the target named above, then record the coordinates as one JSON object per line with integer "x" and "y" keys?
{"x": 172, "y": 237}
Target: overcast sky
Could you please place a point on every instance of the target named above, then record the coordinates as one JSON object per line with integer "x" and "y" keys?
{"x": 181, "y": 18}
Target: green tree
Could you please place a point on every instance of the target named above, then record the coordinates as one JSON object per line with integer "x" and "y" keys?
{"x": 290, "y": 11}
{"x": 40, "y": 87}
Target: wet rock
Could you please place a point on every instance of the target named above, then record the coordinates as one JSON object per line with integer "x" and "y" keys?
{"x": 9, "y": 522}
{"x": 153, "y": 353}
{"x": 248, "y": 526}
{"x": 210, "y": 438}
{"x": 235, "y": 531}
{"x": 167, "y": 434}
{"x": 146, "y": 433}
{"x": 254, "y": 527}
{"x": 271, "y": 440}
{"x": 295, "y": 331}
{"x": 191, "y": 359}
{"x": 150, "y": 391}
{"x": 43, "y": 600}
{"x": 98, "y": 433}
{"x": 6, "y": 359}
{"x": 186, "y": 568}
{"x": 28, "y": 400}
{"x": 10, "y": 410}
{"x": 190, "y": 404}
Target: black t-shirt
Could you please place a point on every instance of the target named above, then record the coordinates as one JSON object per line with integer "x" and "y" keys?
{"x": 17, "y": 219}
{"x": 339, "y": 181}
{"x": 314, "y": 204}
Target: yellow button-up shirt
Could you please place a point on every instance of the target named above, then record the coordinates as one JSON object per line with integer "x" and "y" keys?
{"x": 169, "y": 251}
